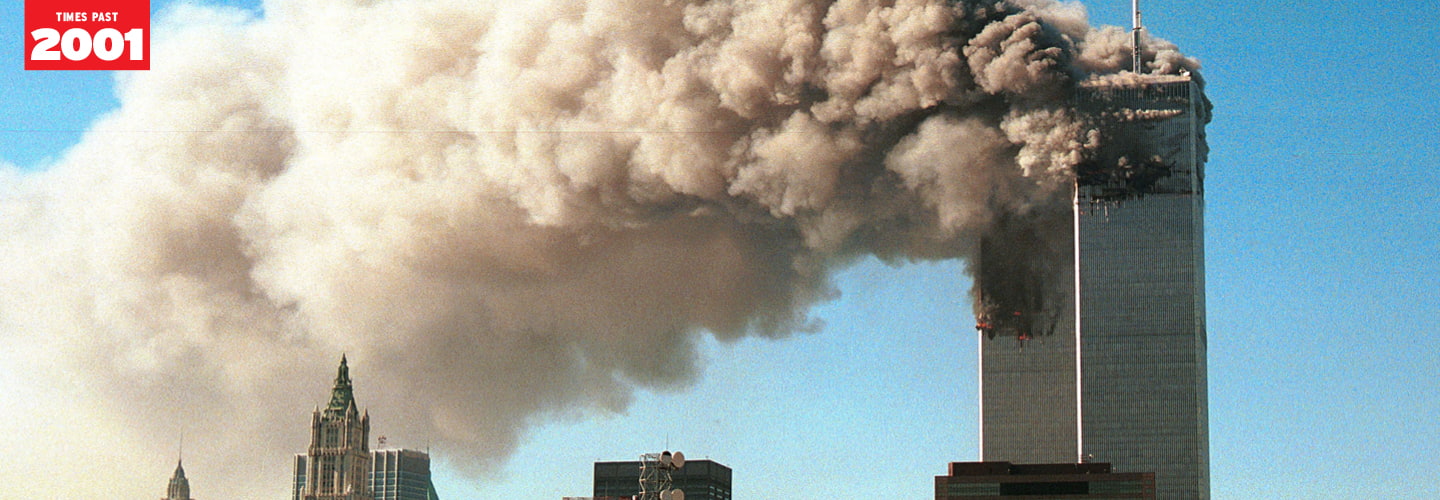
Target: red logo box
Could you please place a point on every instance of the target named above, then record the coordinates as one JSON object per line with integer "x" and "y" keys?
{"x": 87, "y": 34}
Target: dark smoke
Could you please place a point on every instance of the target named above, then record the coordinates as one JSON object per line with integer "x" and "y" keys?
{"x": 508, "y": 210}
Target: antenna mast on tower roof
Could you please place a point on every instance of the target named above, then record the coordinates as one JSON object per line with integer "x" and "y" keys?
{"x": 1135, "y": 37}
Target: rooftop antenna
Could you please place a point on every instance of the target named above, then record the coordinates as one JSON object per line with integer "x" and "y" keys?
{"x": 656, "y": 482}
{"x": 1135, "y": 36}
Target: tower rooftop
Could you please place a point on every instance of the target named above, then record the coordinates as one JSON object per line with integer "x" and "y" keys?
{"x": 342, "y": 396}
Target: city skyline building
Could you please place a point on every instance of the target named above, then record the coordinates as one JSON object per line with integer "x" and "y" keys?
{"x": 996, "y": 480}
{"x": 179, "y": 486}
{"x": 337, "y": 463}
{"x": 395, "y": 474}
{"x": 1101, "y": 354}
{"x": 401, "y": 474}
{"x": 699, "y": 479}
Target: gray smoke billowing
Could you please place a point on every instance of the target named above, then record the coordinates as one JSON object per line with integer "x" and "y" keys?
{"x": 505, "y": 210}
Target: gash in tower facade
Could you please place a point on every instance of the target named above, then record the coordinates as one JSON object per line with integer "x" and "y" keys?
{"x": 1104, "y": 358}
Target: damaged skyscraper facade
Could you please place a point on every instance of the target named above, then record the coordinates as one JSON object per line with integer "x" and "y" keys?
{"x": 1101, "y": 355}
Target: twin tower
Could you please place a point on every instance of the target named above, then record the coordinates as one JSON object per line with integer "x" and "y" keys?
{"x": 1107, "y": 362}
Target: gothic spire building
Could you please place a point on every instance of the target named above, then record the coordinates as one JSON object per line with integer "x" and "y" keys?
{"x": 179, "y": 488}
{"x": 338, "y": 461}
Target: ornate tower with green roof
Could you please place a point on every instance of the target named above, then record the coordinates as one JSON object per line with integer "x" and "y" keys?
{"x": 338, "y": 461}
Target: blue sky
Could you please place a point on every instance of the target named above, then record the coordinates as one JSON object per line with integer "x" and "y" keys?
{"x": 1323, "y": 263}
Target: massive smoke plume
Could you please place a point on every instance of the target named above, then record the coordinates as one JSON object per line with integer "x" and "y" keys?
{"x": 505, "y": 210}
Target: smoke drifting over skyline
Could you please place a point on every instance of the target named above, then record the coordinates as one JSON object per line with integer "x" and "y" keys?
{"x": 507, "y": 211}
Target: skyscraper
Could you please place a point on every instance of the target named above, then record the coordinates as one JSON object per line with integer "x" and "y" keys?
{"x": 699, "y": 479}
{"x": 179, "y": 488}
{"x": 1111, "y": 367}
{"x": 401, "y": 475}
{"x": 989, "y": 480}
{"x": 337, "y": 465}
